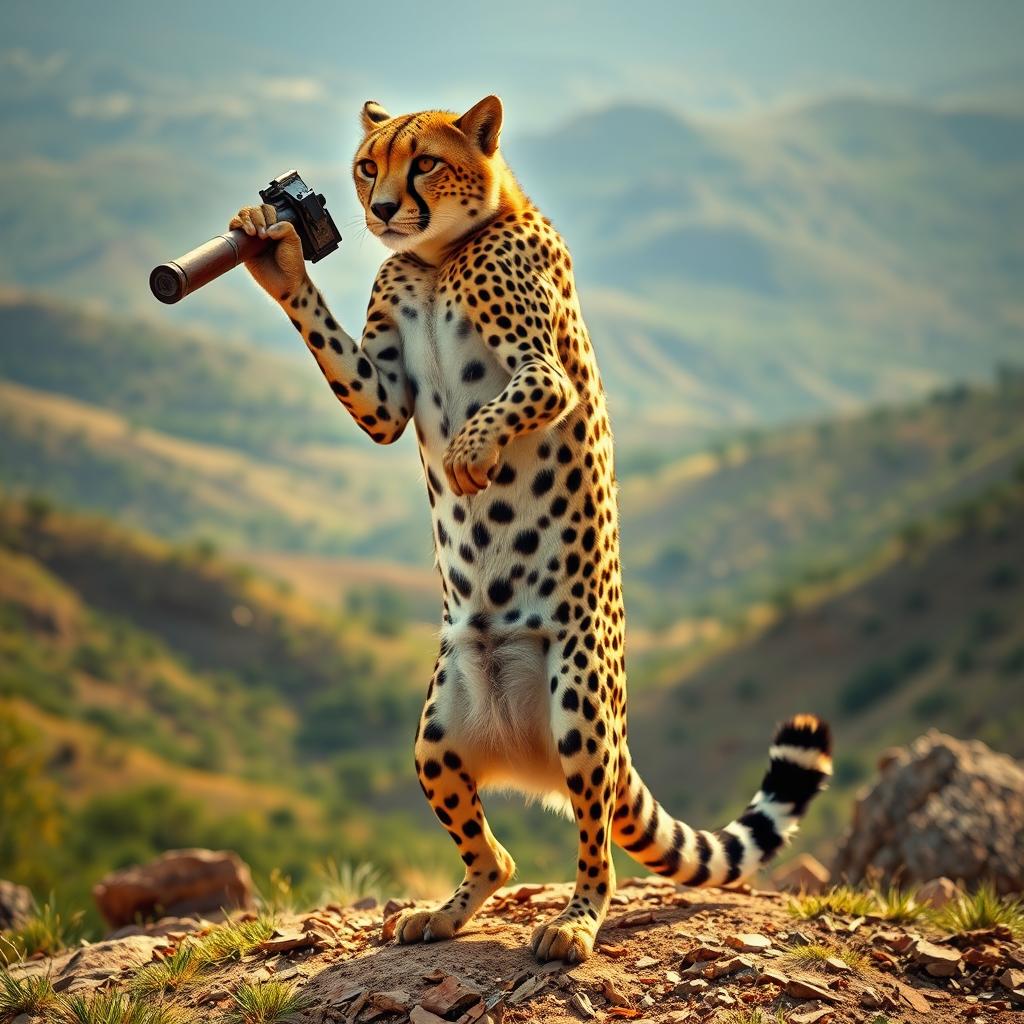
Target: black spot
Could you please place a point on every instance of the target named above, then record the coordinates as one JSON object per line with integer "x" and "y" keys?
{"x": 500, "y": 592}
{"x": 543, "y": 482}
{"x": 433, "y": 732}
{"x": 472, "y": 371}
{"x": 571, "y": 743}
{"x": 316, "y": 339}
{"x": 501, "y": 512}
{"x": 460, "y": 583}
{"x": 481, "y": 535}
{"x": 526, "y": 542}
{"x": 431, "y": 769}
{"x": 505, "y": 475}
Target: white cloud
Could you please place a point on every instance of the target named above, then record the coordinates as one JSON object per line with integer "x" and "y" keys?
{"x": 292, "y": 90}
{"x": 32, "y": 66}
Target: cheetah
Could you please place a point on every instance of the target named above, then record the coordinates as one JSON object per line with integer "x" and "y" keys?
{"x": 474, "y": 332}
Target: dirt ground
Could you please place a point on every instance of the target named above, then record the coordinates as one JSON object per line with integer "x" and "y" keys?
{"x": 665, "y": 955}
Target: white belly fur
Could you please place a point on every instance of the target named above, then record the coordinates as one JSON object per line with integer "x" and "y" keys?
{"x": 500, "y": 717}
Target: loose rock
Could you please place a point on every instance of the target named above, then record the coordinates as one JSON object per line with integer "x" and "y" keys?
{"x": 179, "y": 882}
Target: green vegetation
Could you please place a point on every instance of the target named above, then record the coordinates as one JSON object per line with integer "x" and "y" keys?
{"x": 232, "y": 940}
{"x": 900, "y": 905}
{"x": 801, "y": 508}
{"x": 983, "y": 908}
{"x": 348, "y": 883}
{"x": 272, "y": 1002}
{"x": 819, "y": 658}
{"x": 842, "y": 899}
{"x": 110, "y": 1007}
{"x": 24, "y": 995}
{"x": 47, "y": 931}
{"x": 168, "y": 976}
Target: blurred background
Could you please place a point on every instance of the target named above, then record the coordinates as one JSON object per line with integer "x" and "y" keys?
{"x": 798, "y": 229}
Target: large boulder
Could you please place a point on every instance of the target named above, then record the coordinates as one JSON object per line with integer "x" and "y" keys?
{"x": 941, "y": 807}
{"x": 16, "y": 905}
{"x": 178, "y": 883}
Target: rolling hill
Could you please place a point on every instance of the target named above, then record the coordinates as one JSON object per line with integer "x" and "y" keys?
{"x": 930, "y": 636}
{"x": 152, "y": 696}
{"x": 705, "y": 533}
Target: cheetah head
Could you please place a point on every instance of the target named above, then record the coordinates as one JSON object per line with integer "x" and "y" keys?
{"x": 425, "y": 180}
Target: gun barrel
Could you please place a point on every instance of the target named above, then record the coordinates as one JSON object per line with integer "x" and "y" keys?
{"x": 171, "y": 282}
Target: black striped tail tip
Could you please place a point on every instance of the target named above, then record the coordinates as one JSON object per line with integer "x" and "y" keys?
{"x": 806, "y": 733}
{"x": 801, "y": 762}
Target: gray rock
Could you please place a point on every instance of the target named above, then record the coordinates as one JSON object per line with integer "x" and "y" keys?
{"x": 941, "y": 807}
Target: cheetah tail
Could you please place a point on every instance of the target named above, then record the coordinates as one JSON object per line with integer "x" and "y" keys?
{"x": 799, "y": 767}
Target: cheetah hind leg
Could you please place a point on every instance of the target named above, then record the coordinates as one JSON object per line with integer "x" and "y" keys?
{"x": 452, "y": 794}
{"x": 588, "y": 754}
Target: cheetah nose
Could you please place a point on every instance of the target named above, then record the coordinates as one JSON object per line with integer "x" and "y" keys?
{"x": 384, "y": 211}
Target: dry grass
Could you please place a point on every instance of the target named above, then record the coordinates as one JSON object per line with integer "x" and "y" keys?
{"x": 755, "y": 1016}
{"x": 983, "y": 908}
{"x": 230, "y": 941}
{"x": 273, "y": 1002}
{"x": 899, "y": 905}
{"x": 815, "y": 955}
{"x": 842, "y": 900}
{"x": 167, "y": 976}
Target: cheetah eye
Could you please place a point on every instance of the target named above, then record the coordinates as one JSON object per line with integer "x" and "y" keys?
{"x": 425, "y": 164}
{"x": 367, "y": 168}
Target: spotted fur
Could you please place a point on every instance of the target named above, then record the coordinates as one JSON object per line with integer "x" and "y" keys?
{"x": 474, "y": 332}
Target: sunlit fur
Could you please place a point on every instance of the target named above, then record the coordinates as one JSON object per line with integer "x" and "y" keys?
{"x": 469, "y": 186}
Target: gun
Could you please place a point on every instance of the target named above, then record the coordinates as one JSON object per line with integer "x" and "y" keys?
{"x": 293, "y": 200}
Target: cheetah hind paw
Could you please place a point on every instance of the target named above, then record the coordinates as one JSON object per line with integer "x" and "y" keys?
{"x": 426, "y": 926}
{"x": 565, "y": 940}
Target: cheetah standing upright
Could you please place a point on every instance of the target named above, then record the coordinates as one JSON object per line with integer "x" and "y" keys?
{"x": 474, "y": 332}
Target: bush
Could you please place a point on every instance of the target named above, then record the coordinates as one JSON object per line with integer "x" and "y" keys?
{"x": 868, "y": 686}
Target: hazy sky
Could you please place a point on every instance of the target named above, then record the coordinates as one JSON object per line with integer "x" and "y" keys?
{"x": 546, "y": 57}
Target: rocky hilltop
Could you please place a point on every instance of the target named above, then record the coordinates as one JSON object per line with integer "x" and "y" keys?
{"x": 665, "y": 955}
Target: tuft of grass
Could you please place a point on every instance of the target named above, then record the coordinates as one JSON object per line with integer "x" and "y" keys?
{"x": 273, "y": 1002}
{"x": 46, "y": 931}
{"x": 899, "y": 905}
{"x": 169, "y": 975}
{"x": 348, "y": 883}
{"x": 842, "y": 900}
{"x": 231, "y": 941}
{"x": 983, "y": 908}
{"x": 24, "y": 995}
{"x": 815, "y": 954}
{"x": 758, "y": 1015}
{"x": 111, "y": 1008}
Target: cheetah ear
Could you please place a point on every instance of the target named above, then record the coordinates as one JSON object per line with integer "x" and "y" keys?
{"x": 482, "y": 124}
{"x": 372, "y": 115}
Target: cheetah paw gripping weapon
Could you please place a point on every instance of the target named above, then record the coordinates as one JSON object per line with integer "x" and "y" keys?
{"x": 294, "y": 201}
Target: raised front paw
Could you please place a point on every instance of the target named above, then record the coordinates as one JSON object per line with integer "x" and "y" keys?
{"x": 471, "y": 460}
{"x": 426, "y": 926}
{"x": 563, "y": 939}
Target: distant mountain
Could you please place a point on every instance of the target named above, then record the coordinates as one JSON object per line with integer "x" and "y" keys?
{"x": 783, "y": 265}
{"x": 736, "y": 271}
